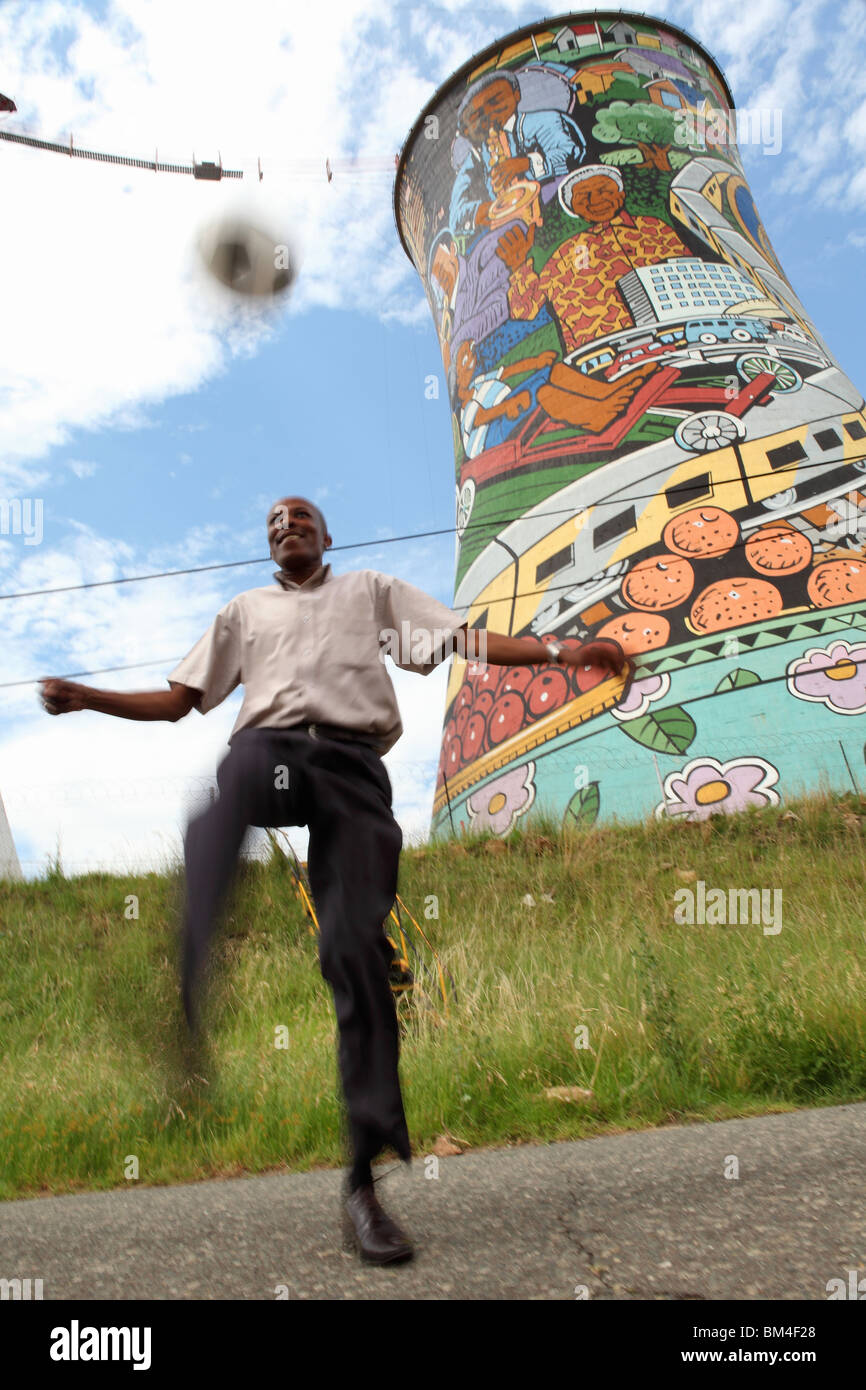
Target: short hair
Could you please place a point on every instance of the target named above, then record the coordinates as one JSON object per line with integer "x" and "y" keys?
{"x": 498, "y": 75}
{"x": 321, "y": 517}
{"x": 317, "y": 511}
{"x": 588, "y": 171}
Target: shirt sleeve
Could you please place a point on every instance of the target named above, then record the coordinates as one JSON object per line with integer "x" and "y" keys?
{"x": 413, "y": 627}
{"x": 556, "y": 139}
{"x": 463, "y": 206}
{"x": 213, "y": 666}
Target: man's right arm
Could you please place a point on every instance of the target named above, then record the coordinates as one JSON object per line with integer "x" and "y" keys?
{"x": 63, "y": 697}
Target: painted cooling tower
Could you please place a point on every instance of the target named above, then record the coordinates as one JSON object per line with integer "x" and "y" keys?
{"x": 652, "y": 442}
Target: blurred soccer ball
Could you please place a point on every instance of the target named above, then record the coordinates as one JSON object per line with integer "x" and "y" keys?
{"x": 246, "y": 258}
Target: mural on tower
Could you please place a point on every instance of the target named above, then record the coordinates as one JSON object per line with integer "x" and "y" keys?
{"x": 651, "y": 440}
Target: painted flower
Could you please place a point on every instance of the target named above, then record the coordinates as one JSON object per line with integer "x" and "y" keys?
{"x": 641, "y": 695}
{"x": 706, "y": 786}
{"x": 835, "y": 677}
{"x": 497, "y": 805}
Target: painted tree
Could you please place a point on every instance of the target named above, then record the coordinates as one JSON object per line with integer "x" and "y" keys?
{"x": 645, "y": 132}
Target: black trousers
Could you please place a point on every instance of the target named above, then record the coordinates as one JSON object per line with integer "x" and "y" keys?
{"x": 341, "y": 790}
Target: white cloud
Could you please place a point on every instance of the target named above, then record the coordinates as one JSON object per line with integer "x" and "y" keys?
{"x": 122, "y": 783}
{"x": 116, "y": 793}
{"x": 805, "y": 59}
{"x": 107, "y": 314}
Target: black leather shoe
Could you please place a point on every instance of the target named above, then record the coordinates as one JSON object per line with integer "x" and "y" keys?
{"x": 368, "y": 1229}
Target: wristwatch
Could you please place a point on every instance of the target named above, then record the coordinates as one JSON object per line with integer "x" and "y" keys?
{"x": 555, "y": 651}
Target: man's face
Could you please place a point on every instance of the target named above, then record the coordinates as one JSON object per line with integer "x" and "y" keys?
{"x": 490, "y": 108}
{"x": 295, "y": 533}
{"x": 597, "y": 199}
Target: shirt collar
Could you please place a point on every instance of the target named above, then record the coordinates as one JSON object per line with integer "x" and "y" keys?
{"x": 322, "y": 574}
{"x": 623, "y": 217}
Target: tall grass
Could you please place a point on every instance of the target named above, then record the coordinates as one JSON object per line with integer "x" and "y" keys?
{"x": 682, "y": 1022}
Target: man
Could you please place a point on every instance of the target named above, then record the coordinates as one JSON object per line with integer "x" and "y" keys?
{"x": 489, "y": 408}
{"x": 579, "y": 284}
{"x": 505, "y": 145}
{"x": 579, "y": 281}
{"x": 319, "y": 710}
{"x": 474, "y": 293}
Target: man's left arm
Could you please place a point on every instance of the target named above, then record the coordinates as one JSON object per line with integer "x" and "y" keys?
{"x": 419, "y": 633}
{"x": 555, "y": 144}
{"x": 498, "y": 649}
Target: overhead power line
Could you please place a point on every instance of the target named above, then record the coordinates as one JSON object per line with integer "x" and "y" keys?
{"x": 100, "y": 671}
{"x": 489, "y": 522}
{"x": 173, "y": 661}
{"x": 223, "y": 565}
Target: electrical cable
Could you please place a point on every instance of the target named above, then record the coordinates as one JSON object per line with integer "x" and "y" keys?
{"x": 102, "y": 670}
{"x": 411, "y": 536}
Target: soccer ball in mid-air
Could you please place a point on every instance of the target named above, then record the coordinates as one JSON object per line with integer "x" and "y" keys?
{"x": 246, "y": 258}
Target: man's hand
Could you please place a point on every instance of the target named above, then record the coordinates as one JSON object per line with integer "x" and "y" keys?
{"x": 515, "y": 245}
{"x": 506, "y": 171}
{"x": 62, "y": 697}
{"x": 605, "y": 653}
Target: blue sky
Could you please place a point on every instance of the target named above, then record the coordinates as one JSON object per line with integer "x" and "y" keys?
{"x": 157, "y": 422}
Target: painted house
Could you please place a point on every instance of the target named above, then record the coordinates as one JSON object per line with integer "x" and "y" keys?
{"x": 576, "y": 38}
{"x": 519, "y": 52}
{"x": 620, "y": 33}
{"x": 594, "y": 80}
{"x": 664, "y": 93}
{"x": 655, "y": 64}
{"x": 671, "y": 44}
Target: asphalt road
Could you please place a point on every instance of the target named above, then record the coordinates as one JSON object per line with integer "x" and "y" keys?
{"x": 633, "y": 1216}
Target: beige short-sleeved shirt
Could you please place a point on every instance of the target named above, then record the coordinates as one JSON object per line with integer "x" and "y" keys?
{"x": 313, "y": 652}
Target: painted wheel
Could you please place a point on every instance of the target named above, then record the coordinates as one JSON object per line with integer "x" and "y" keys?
{"x": 741, "y": 335}
{"x": 707, "y": 338}
{"x": 709, "y": 430}
{"x": 786, "y": 379}
{"x": 780, "y": 500}
{"x": 585, "y": 587}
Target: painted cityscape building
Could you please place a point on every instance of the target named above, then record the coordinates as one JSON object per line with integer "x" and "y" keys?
{"x": 652, "y": 442}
